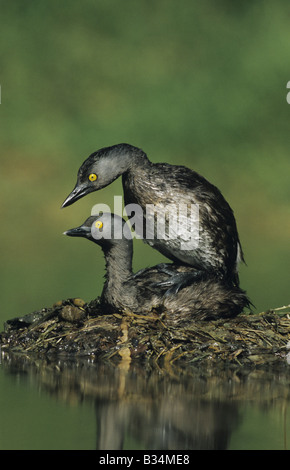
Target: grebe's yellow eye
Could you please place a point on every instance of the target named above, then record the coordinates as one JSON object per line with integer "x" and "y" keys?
{"x": 99, "y": 224}
{"x": 93, "y": 177}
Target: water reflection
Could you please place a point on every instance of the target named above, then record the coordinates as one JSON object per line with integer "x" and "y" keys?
{"x": 164, "y": 409}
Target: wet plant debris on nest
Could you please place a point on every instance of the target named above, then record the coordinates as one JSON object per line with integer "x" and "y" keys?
{"x": 75, "y": 328}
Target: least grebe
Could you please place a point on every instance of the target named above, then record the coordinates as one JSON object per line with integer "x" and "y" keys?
{"x": 161, "y": 185}
{"x": 204, "y": 299}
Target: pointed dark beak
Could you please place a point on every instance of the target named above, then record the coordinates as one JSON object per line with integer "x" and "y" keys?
{"x": 81, "y": 231}
{"x": 77, "y": 193}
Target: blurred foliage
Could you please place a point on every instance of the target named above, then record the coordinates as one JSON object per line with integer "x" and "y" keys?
{"x": 196, "y": 83}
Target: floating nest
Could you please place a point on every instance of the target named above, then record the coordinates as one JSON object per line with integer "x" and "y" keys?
{"x": 74, "y": 328}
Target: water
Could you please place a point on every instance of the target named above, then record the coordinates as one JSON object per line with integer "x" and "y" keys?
{"x": 60, "y": 404}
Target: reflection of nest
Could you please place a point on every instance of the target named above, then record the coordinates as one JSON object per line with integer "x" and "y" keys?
{"x": 74, "y": 328}
{"x": 170, "y": 408}
{"x": 84, "y": 379}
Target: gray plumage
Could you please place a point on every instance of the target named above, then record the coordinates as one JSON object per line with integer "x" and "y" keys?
{"x": 218, "y": 251}
{"x": 205, "y": 299}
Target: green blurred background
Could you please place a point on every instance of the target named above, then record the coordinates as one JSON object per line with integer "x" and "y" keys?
{"x": 201, "y": 84}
